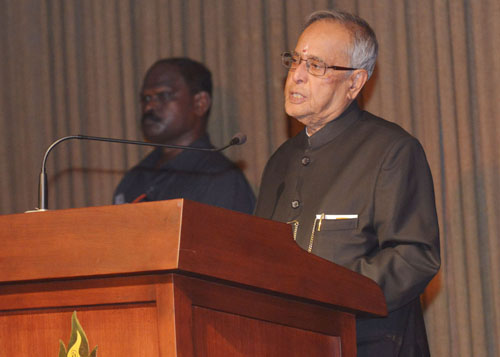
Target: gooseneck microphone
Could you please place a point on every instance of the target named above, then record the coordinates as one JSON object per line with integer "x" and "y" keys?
{"x": 237, "y": 139}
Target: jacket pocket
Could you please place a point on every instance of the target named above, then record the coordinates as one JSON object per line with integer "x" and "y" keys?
{"x": 338, "y": 223}
{"x": 332, "y": 222}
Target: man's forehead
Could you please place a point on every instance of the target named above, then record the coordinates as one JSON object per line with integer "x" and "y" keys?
{"x": 162, "y": 76}
{"x": 324, "y": 39}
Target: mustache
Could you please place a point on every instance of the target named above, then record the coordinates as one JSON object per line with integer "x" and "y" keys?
{"x": 150, "y": 115}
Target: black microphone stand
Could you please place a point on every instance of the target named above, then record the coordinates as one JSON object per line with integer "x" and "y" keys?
{"x": 237, "y": 139}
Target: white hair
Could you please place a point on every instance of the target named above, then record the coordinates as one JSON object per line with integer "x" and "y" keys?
{"x": 363, "y": 52}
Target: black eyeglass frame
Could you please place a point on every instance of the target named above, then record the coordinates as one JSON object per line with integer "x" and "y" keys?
{"x": 308, "y": 66}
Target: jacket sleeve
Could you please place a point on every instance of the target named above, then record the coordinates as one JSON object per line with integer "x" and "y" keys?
{"x": 405, "y": 222}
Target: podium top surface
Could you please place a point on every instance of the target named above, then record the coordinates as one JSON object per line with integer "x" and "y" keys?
{"x": 176, "y": 236}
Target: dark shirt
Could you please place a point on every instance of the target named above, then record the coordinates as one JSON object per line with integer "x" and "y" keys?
{"x": 360, "y": 194}
{"x": 206, "y": 177}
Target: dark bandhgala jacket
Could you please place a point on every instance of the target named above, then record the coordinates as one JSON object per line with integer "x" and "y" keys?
{"x": 359, "y": 193}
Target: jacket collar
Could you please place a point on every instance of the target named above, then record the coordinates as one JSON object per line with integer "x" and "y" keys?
{"x": 333, "y": 128}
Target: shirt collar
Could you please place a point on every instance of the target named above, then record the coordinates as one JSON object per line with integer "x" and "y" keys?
{"x": 186, "y": 159}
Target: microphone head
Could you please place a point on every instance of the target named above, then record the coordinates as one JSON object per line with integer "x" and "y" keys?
{"x": 238, "y": 139}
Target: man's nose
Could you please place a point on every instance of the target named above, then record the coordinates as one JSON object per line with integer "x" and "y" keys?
{"x": 150, "y": 105}
{"x": 300, "y": 74}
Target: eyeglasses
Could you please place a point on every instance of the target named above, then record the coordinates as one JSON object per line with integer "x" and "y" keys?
{"x": 314, "y": 66}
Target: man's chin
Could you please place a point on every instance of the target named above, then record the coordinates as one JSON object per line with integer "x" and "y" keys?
{"x": 298, "y": 115}
{"x": 295, "y": 110}
{"x": 150, "y": 131}
{"x": 151, "y": 137}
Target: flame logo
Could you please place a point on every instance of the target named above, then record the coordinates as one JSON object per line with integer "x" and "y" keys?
{"x": 73, "y": 351}
{"x": 78, "y": 344}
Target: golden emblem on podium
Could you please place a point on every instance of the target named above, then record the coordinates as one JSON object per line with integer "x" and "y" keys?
{"x": 78, "y": 345}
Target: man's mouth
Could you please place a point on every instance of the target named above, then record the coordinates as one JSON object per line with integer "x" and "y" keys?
{"x": 296, "y": 97}
{"x": 149, "y": 117}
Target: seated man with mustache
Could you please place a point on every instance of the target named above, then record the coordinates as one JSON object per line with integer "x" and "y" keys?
{"x": 176, "y": 97}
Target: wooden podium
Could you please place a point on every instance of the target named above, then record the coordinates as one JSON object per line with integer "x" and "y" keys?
{"x": 173, "y": 278}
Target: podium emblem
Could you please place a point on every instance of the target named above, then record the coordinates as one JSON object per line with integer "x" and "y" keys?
{"x": 78, "y": 345}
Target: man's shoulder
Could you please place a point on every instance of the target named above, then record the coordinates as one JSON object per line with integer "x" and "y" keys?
{"x": 215, "y": 161}
{"x": 368, "y": 132}
{"x": 377, "y": 126}
{"x": 383, "y": 138}
{"x": 368, "y": 126}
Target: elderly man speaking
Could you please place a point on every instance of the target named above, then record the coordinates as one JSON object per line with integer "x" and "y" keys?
{"x": 356, "y": 188}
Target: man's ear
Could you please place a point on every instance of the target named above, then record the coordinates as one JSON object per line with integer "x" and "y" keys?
{"x": 202, "y": 102}
{"x": 357, "y": 80}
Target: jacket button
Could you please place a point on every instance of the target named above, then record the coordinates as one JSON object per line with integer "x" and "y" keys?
{"x": 305, "y": 160}
{"x": 295, "y": 204}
